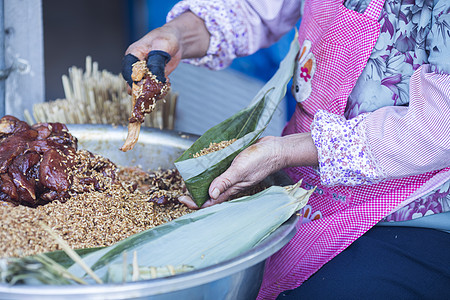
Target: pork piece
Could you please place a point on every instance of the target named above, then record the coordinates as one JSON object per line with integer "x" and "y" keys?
{"x": 40, "y": 163}
{"x": 56, "y": 132}
{"x": 53, "y": 173}
{"x": 146, "y": 90}
{"x": 8, "y": 190}
{"x": 21, "y": 171}
{"x": 13, "y": 146}
{"x": 10, "y": 125}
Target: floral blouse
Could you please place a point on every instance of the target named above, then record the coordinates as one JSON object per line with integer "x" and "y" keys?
{"x": 414, "y": 33}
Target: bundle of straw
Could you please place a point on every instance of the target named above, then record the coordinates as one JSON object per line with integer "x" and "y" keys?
{"x": 99, "y": 97}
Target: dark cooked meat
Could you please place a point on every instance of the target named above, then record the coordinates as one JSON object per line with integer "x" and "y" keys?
{"x": 146, "y": 90}
{"x": 10, "y": 125}
{"x": 162, "y": 187}
{"x": 40, "y": 163}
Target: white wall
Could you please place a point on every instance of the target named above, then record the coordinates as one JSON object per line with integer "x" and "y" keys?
{"x": 24, "y": 53}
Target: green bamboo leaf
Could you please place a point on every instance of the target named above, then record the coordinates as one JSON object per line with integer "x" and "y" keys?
{"x": 64, "y": 260}
{"x": 237, "y": 126}
{"x": 198, "y": 185}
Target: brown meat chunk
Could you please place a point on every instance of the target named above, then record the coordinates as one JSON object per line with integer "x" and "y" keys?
{"x": 52, "y": 172}
{"x": 25, "y": 188}
{"x": 149, "y": 91}
{"x": 25, "y": 183}
{"x": 13, "y": 146}
{"x": 8, "y": 189}
{"x": 38, "y": 164}
{"x": 10, "y": 125}
{"x": 145, "y": 93}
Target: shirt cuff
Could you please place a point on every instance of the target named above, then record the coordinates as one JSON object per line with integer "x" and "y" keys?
{"x": 344, "y": 152}
{"x": 229, "y": 33}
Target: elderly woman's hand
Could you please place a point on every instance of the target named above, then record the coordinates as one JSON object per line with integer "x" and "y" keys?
{"x": 251, "y": 166}
{"x": 184, "y": 37}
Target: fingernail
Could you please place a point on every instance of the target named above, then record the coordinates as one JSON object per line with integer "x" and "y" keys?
{"x": 206, "y": 204}
{"x": 215, "y": 193}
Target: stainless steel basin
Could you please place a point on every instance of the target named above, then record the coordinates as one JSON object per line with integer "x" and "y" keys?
{"x": 237, "y": 278}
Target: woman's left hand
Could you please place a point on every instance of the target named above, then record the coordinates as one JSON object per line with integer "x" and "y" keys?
{"x": 251, "y": 166}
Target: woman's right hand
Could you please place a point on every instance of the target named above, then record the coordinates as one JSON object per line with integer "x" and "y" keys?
{"x": 163, "y": 38}
{"x": 184, "y": 37}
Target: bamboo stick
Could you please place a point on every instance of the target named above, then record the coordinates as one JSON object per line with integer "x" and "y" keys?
{"x": 71, "y": 253}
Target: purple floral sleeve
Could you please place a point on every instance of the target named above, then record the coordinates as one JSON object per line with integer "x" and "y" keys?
{"x": 225, "y": 22}
{"x": 344, "y": 153}
{"x": 239, "y": 27}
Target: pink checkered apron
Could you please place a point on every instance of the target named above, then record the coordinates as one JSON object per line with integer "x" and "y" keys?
{"x": 341, "y": 41}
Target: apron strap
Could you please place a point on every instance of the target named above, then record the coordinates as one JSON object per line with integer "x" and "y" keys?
{"x": 374, "y": 9}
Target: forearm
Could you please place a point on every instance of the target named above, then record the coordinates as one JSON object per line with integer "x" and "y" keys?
{"x": 414, "y": 140}
{"x": 239, "y": 27}
{"x": 298, "y": 150}
{"x": 390, "y": 142}
{"x": 191, "y": 33}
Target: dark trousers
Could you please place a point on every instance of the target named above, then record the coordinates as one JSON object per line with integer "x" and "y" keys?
{"x": 385, "y": 263}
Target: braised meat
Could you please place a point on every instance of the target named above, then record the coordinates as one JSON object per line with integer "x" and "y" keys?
{"x": 40, "y": 163}
{"x": 146, "y": 90}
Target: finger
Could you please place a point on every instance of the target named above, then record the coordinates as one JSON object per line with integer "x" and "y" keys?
{"x": 226, "y": 195}
{"x": 140, "y": 48}
{"x": 224, "y": 182}
{"x": 222, "y": 198}
{"x": 156, "y": 63}
{"x": 186, "y": 200}
{"x": 127, "y": 67}
{"x": 209, "y": 203}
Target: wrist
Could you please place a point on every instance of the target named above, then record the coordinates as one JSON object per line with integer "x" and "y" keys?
{"x": 191, "y": 33}
{"x": 298, "y": 150}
